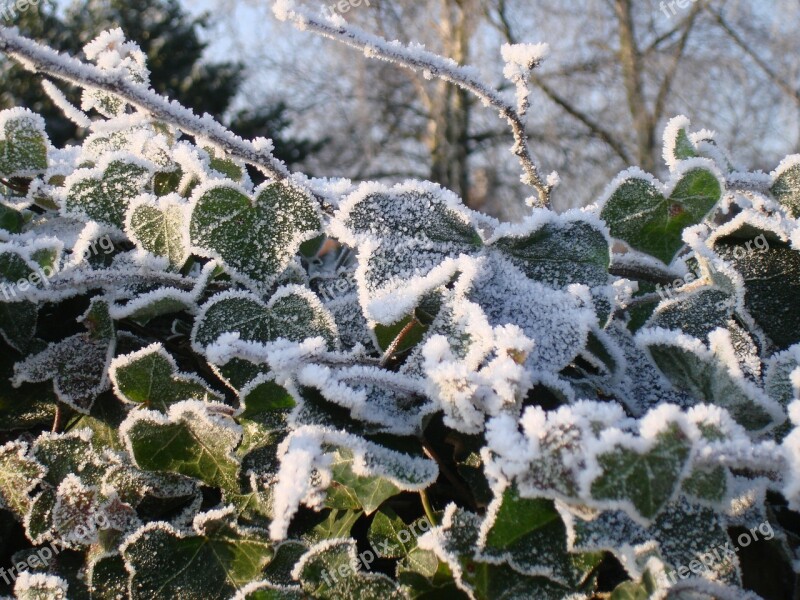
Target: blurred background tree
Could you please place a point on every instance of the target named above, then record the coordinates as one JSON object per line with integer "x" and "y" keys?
{"x": 171, "y": 38}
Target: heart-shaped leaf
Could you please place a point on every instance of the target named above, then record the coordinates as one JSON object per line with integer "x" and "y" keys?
{"x": 23, "y": 144}
{"x": 159, "y": 226}
{"x": 196, "y": 439}
{"x": 643, "y": 478}
{"x": 786, "y": 184}
{"x": 255, "y": 239}
{"x": 103, "y": 194}
{"x": 293, "y": 313}
{"x": 650, "y": 218}
{"x": 151, "y": 378}
{"x": 77, "y": 365}
{"x": 212, "y": 562}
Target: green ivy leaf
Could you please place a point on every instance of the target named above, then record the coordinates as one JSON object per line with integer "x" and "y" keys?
{"x": 196, "y": 439}
{"x": 23, "y": 144}
{"x": 104, "y": 194}
{"x": 159, "y": 226}
{"x": 256, "y": 239}
{"x": 330, "y": 571}
{"x": 560, "y": 253}
{"x": 78, "y": 365}
{"x": 293, "y": 313}
{"x": 638, "y": 213}
{"x": 456, "y": 545}
{"x": 646, "y": 480}
{"x": 10, "y": 220}
{"x": 212, "y": 563}
{"x": 19, "y": 474}
{"x": 368, "y": 492}
{"x": 771, "y": 282}
{"x": 150, "y": 377}
{"x": 786, "y": 185}
{"x": 528, "y": 535}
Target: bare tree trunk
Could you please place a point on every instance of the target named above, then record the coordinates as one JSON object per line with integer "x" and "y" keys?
{"x": 631, "y": 62}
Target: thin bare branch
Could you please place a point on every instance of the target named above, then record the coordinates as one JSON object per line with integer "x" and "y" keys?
{"x": 49, "y": 62}
{"x": 432, "y": 65}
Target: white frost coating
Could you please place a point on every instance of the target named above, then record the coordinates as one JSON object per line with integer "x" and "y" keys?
{"x": 373, "y": 395}
{"x": 791, "y": 450}
{"x": 38, "y": 585}
{"x": 671, "y": 139}
{"x": 60, "y": 100}
{"x": 46, "y": 60}
{"x": 520, "y": 60}
{"x": 306, "y": 450}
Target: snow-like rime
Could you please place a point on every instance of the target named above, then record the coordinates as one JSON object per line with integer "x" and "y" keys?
{"x": 255, "y": 370}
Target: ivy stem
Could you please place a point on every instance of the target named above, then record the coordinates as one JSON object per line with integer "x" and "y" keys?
{"x": 57, "y": 420}
{"x": 390, "y": 351}
{"x": 426, "y": 505}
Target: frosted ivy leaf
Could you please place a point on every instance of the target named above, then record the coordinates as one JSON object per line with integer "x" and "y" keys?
{"x": 711, "y": 374}
{"x": 77, "y": 365}
{"x": 135, "y": 487}
{"x": 311, "y": 450}
{"x": 642, "y": 474}
{"x": 650, "y": 216}
{"x": 557, "y": 322}
{"x": 103, "y": 194}
{"x": 529, "y": 536}
{"x": 786, "y": 184}
{"x": 62, "y": 455}
{"x": 150, "y": 377}
{"x": 682, "y": 533}
{"x": 211, "y": 562}
{"x": 265, "y": 590}
{"x": 145, "y": 307}
{"x": 780, "y": 381}
{"x": 23, "y": 144}
{"x": 394, "y": 402}
{"x": 195, "y": 438}
{"x": 701, "y": 312}
{"x": 293, "y": 313}
{"x": 455, "y": 542}
{"x": 255, "y": 238}
{"x": 339, "y": 294}
{"x": 546, "y": 458}
{"x": 226, "y": 167}
{"x": 770, "y": 273}
{"x": 39, "y": 586}
{"x": 19, "y": 475}
{"x": 80, "y": 513}
{"x": 558, "y": 250}
{"x": 330, "y": 571}
{"x": 159, "y": 225}
{"x": 112, "y": 52}
{"x": 407, "y": 238}
{"x": 678, "y": 145}
{"x": 641, "y": 385}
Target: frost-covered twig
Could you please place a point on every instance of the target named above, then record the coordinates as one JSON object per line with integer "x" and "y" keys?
{"x": 416, "y": 58}
{"x": 46, "y": 60}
